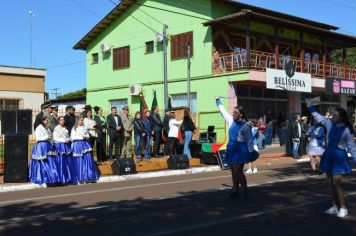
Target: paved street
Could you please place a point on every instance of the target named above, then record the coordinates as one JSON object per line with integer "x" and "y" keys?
{"x": 283, "y": 201}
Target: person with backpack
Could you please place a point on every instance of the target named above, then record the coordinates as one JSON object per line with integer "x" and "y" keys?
{"x": 315, "y": 148}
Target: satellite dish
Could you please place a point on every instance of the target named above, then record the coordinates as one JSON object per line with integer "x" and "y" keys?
{"x": 159, "y": 37}
{"x": 105, "y": 47}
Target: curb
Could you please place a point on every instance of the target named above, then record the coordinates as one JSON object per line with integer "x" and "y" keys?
{"x": 118, "y": 178}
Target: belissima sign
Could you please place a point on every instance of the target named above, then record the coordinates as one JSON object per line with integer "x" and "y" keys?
{"x": 287, "y": 80}
{"x": 337, "y": 86}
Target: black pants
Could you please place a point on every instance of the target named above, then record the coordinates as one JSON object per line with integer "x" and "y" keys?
{"x": 157, "y": 139}
{"x": 171, "y": 145}
{"x": 101, "y": 147}
{"x": 114, "y": 139}
{"x": 92, "y": 141}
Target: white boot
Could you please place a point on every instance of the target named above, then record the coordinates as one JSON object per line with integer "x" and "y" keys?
{"x": 249, "y": 171}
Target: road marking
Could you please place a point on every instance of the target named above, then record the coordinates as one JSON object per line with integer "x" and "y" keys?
{"x": 118, "y": 189}
{"x": 137, "y": 202}
{"x": 236, "y": 218}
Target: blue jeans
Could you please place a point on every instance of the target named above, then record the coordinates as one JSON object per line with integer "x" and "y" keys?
{"x": 269, "y": 136}
{"x": 148, "y": 146}
{"x": 188, "y": 136}
{"x": 138, "y": 145}
{"x": 296, "y": 143}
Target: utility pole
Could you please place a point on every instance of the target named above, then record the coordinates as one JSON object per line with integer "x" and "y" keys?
{"x": 55, "y": 93}
{"x": 188, "y": 81}
{"x": 32, "y": 16}
{"x": 165, "y": 73}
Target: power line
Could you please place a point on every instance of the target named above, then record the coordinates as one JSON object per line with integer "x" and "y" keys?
{"x": 84, "y": 7}
{"x": 340, "y": 4}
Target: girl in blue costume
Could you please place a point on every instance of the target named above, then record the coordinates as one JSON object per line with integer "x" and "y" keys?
{"x": 335, "y": 161}
{"x": 62, "y": 147}
{"x": 315, "y": 148}
{"x": 240, "y": 148}
{"x": 43, "y": 163}
{"x": 84, "y": 166}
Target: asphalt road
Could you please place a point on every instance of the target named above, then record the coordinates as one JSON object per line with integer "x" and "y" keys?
{"x": 285, "y": 200}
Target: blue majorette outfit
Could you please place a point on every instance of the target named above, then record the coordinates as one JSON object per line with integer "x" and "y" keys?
{"x": 240, "y": 148}
{"x": 339, "y": 141}
{"x": 317, "y": 140}
{"x": 65, "y": 161}
{"x": 84, "y": 165}
{"x": 43, "y": 164}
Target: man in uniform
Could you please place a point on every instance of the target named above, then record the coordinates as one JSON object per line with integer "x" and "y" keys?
{"x": 127, "y": 122}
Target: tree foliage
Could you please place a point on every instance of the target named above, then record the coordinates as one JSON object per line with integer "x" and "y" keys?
{"x": 75, "y": 94}
{"x": 336, "y": 56}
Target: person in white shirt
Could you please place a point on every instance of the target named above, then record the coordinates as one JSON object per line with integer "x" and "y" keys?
{"x": 85, "y": 168}
{"x": 90, "y": 125}
{"x": 43, "y": 167}
{"x": 62, "y": 146}
{"x": 173, "y": 133}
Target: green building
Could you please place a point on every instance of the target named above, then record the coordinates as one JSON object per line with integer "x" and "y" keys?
{"x": 235, "y": 47}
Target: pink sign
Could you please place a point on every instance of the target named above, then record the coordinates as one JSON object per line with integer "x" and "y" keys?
{"x": 336, "y": 86}
{"x": 347, "y": 84}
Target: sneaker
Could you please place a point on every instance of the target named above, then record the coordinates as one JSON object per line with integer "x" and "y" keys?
{"x": 249, "y": 171}
{"x": 332, "y": 210}
{"x": 254, "y": 170}
{"x": 342, "y": 212}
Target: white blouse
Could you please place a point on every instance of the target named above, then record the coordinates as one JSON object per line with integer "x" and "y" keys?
{"x": 43, "y": 134}
{"x": 61, "y": 134}
{"x": 79, "y": 133}
{"x": 89, "y": 124}
{"x": 174, "y": 127}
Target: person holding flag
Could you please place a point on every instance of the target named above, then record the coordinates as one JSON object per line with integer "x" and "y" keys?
{"x": 157, "y": 125}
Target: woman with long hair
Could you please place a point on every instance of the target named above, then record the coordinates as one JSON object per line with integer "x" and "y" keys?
{"x": 139, "y": 134}
{"x": 100, "y": 121}
{"x": 173, "y": 133}
{"x": 62, "y": 147}
{"x": 90, "y": 125}
{"x": 84, "y": 164}
{"x": 335, "y": 162}
{"x": 239, "y": 150}
{"x": 315, "y": 148}
{"x": 43, "y": 164}
{"x": 189, "y": 128}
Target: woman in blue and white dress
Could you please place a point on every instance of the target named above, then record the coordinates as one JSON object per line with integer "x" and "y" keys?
{"x": 84, "y": 165}
{"x": 240, "y": 148}
{"x": 43, "y": 164}
{"x": 62, "y": 147}
{"x": 315, "y": 148}
{"x": 335, "y": 161}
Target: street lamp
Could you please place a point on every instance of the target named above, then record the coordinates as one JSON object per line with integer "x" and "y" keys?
{"x": 32, "y": 16}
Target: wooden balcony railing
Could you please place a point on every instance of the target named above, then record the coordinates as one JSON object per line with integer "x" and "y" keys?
{"x": 235, "y": 61}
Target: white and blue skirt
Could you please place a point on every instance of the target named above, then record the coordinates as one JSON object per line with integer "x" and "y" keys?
{"x": 85, "y": 168}
{"x": 238, "y": 153}
{"x": 65, "y": 163}
{"x": 43, "y": 164}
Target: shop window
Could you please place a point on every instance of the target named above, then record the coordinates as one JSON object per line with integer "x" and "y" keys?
{"x": 10, "y": 104}
{"x": 256, "y": 91}
{"x": 95, "y": 58}
{"x": 242, "y": 90}
{"x": 179, "y": 45}
{"x": 149, "y": 47}
{"x": 121, "y": 57}
{"x": 179, "y": 100}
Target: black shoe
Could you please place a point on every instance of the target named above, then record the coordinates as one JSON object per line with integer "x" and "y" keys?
{"x": 235, "y": 194}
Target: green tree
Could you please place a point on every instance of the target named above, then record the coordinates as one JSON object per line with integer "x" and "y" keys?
{"x": 336, "y": 56}
{"x": 75, "y": 94}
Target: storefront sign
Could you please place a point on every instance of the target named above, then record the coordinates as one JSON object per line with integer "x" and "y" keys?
{"x": 336, "y": 86}
{"x": 288, "y": 80}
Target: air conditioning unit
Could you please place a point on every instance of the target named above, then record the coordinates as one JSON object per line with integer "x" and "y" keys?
{"x": 135, "y": 89}
{"x": 105, "y": 47}
{"x": 159, "y": 37}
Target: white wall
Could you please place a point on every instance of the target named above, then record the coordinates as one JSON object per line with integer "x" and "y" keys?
{"x": 30, "y": 100}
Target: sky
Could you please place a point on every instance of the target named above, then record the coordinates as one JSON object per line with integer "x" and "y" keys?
{"x": 58, "y": 25}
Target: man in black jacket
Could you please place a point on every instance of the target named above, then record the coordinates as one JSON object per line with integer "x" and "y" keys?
{"x": 69, "y": 118}
{"x": 296, "y": 136}
{"x": 157, "y": 128}
{"x": 114, "y": 124}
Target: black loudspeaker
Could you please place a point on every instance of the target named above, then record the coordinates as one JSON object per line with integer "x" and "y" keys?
{"x": 16, "y": 122}
{"x": 16, "y": 161}
{"x": 124, "y": 167}
{"x": 208, "y": 158}
{"x": 178, "y": 162}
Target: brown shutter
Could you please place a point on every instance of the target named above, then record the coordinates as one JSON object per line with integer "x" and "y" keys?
{"x": 121, "y": 57}
{"x": 179, "y": 45}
